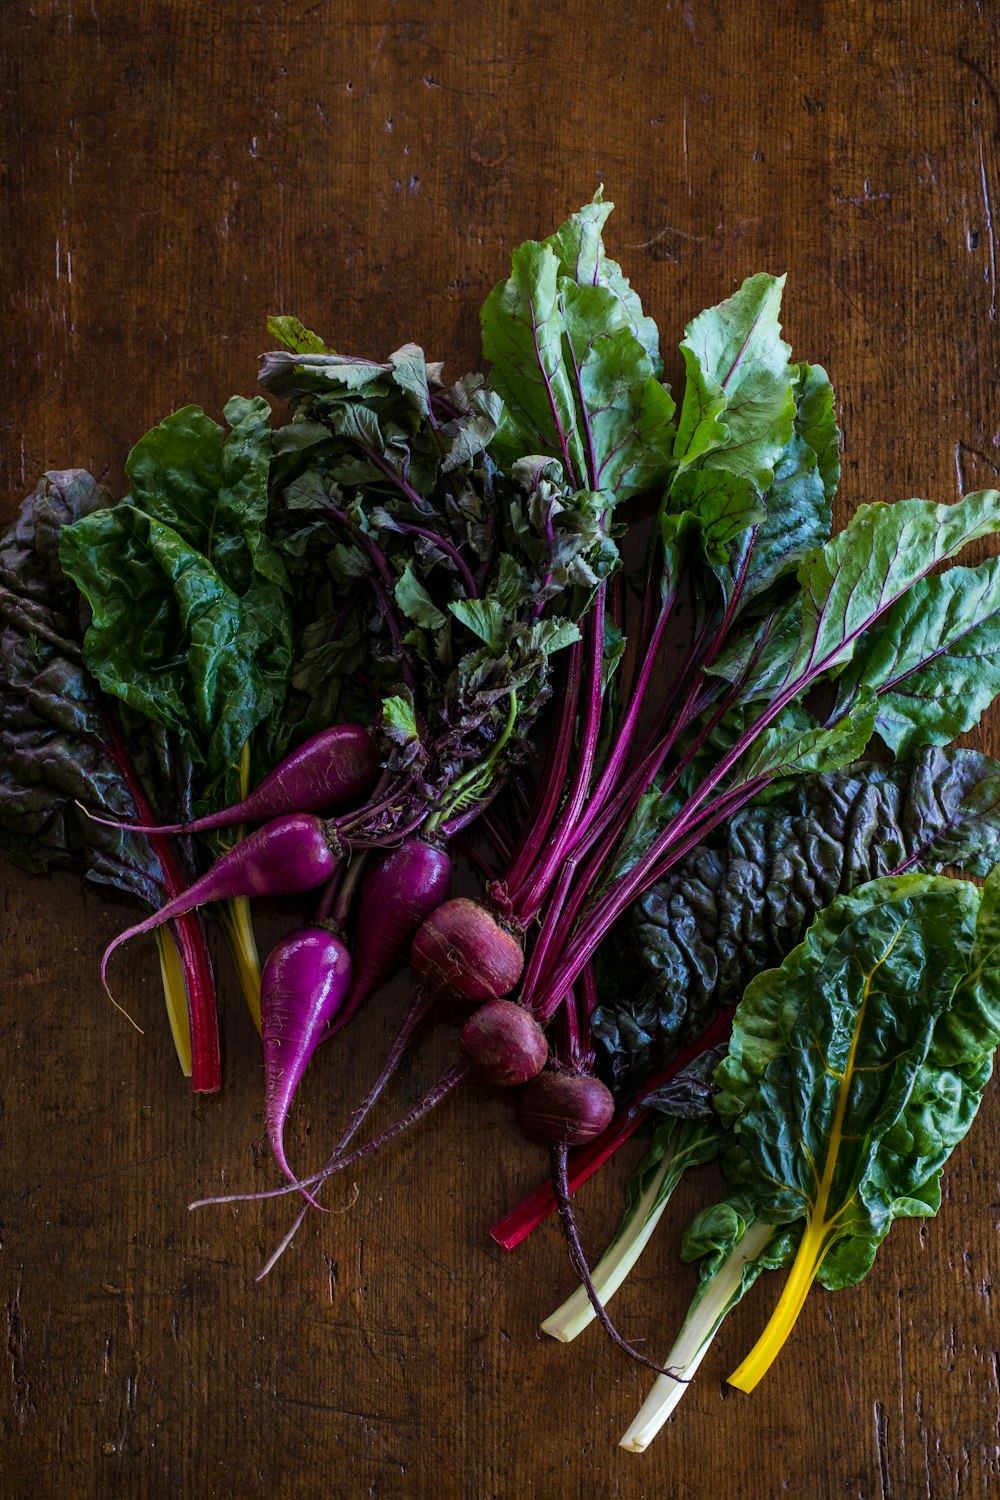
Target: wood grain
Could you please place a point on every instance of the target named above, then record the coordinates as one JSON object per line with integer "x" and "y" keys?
{"x": 173, "y": 173}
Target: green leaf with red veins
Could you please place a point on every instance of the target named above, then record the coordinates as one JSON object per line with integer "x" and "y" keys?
{"x": 934, "y": 660}
{"x": 738, "y": 410}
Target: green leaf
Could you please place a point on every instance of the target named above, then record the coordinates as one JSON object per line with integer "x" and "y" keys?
{"x": 934, "y": 659}
{"x": 523, "y": 333}
{"x": 296, "y": 336}
{"x": 722, "y": 505}
{"x": 579, "y": 248}
{"x": 816, "y": 423}
{"x": 860, "y": 574}
{"x": 169, "y": 637}
{"x": 415, "y": 602}
{"x": 484, "y": 617}
{"x": 399, "y": 719}
{"x": 739, "y": 407}
{"x": 176, "y": 474}
{"x": 825, "y": 1055}
{"x": 410, "y": 372}
{"x": 798, "y": 748}
{"x": 577, "y": 382}
{"x": 851, "y": 584}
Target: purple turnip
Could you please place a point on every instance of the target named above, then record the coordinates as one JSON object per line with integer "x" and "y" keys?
{"x": 399, "y": 889}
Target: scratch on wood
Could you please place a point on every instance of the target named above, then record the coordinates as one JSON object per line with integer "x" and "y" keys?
{"x": 990, "y": 231}
{"x": 984, "y": 78}
{"x": 882, "y": 1445}
{"x": 662, "y": 233}
{"x": 687, "y": 176}
{"x": 964, "y": 448}
{"x": 21, "y": 1399}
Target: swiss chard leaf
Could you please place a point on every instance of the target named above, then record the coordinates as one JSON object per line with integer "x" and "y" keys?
{"x": 740, "y": 903}
{"x": 191, "y": 625}
{"x": 63, "y": 745}
{"x": 830, "y": 1071}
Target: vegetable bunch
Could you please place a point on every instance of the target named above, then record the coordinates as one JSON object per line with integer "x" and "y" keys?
{"x": 711, "y": 909}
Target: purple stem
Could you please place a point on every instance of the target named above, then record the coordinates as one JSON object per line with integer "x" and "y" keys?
{"x": 526, "y": 900}
{"x": 446, "y": 547}
{"x": 680, "y": 836}
{"x": 550, "y": 786}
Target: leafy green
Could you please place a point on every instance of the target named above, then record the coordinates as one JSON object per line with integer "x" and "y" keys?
{"x": 824, "y": 1061}
{"x": 64, "y": 745}
{"x": 851, "y": 584}
{"x": 738, "y": 410}
{"x": 191, "y": 625}
{"x": 853, "y": 1071}
{"x": 740, "y": 902}
{"x": 935, "y": 659}
{"x": 575, "y": 364}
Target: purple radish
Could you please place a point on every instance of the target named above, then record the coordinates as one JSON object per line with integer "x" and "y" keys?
{"x": 332, "y": 769}
{"x": 398, "y": 892}
{"x": 304, "y": 982}
{"x": 462, "y": 953}
{"x": 565, "y": 1108}
{"x": 295, "y": 853}
{"x": 503, "y": 1043}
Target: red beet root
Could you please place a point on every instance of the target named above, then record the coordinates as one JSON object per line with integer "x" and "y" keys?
{"x": 565, "y": 1108}
{"x": 462, "y": 953}
{"x": 504, "y": 1043}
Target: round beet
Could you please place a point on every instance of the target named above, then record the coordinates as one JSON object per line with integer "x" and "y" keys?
{"x": 565, "y": 1108}
{"x": 504, "y": 1043}
{"x": 462, "y": 953}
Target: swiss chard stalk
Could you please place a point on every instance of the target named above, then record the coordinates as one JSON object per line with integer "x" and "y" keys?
{"x": 853, "y": 1072}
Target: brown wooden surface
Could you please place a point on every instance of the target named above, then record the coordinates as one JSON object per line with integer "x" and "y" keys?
{"x": 173, "y": 172}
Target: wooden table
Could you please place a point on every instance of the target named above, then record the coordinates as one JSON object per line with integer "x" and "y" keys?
{"x": 174, "y": 172}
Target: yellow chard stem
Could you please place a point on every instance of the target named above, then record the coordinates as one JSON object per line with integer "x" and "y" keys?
{"x": 238, "y": 924}
{"x": 812, "y": 1247}
{"x": 175, "y": 994}
{"x": 820, "y": 1230}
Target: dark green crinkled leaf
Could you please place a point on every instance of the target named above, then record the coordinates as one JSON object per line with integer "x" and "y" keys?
{"x": 742, "y": 902}
{"x": 62, "y": 743}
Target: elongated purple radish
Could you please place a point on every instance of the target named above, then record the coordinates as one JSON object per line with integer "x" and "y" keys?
{"x": 462, "y": 953}
{"x": 565, "y": 1108}
{"x": 303, "y": 985}
{"x": 504, "y": 1043}
{"x": 295, "y": 853}
{"x": 331, "y": 770}
{"x": 398, "y": 891}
